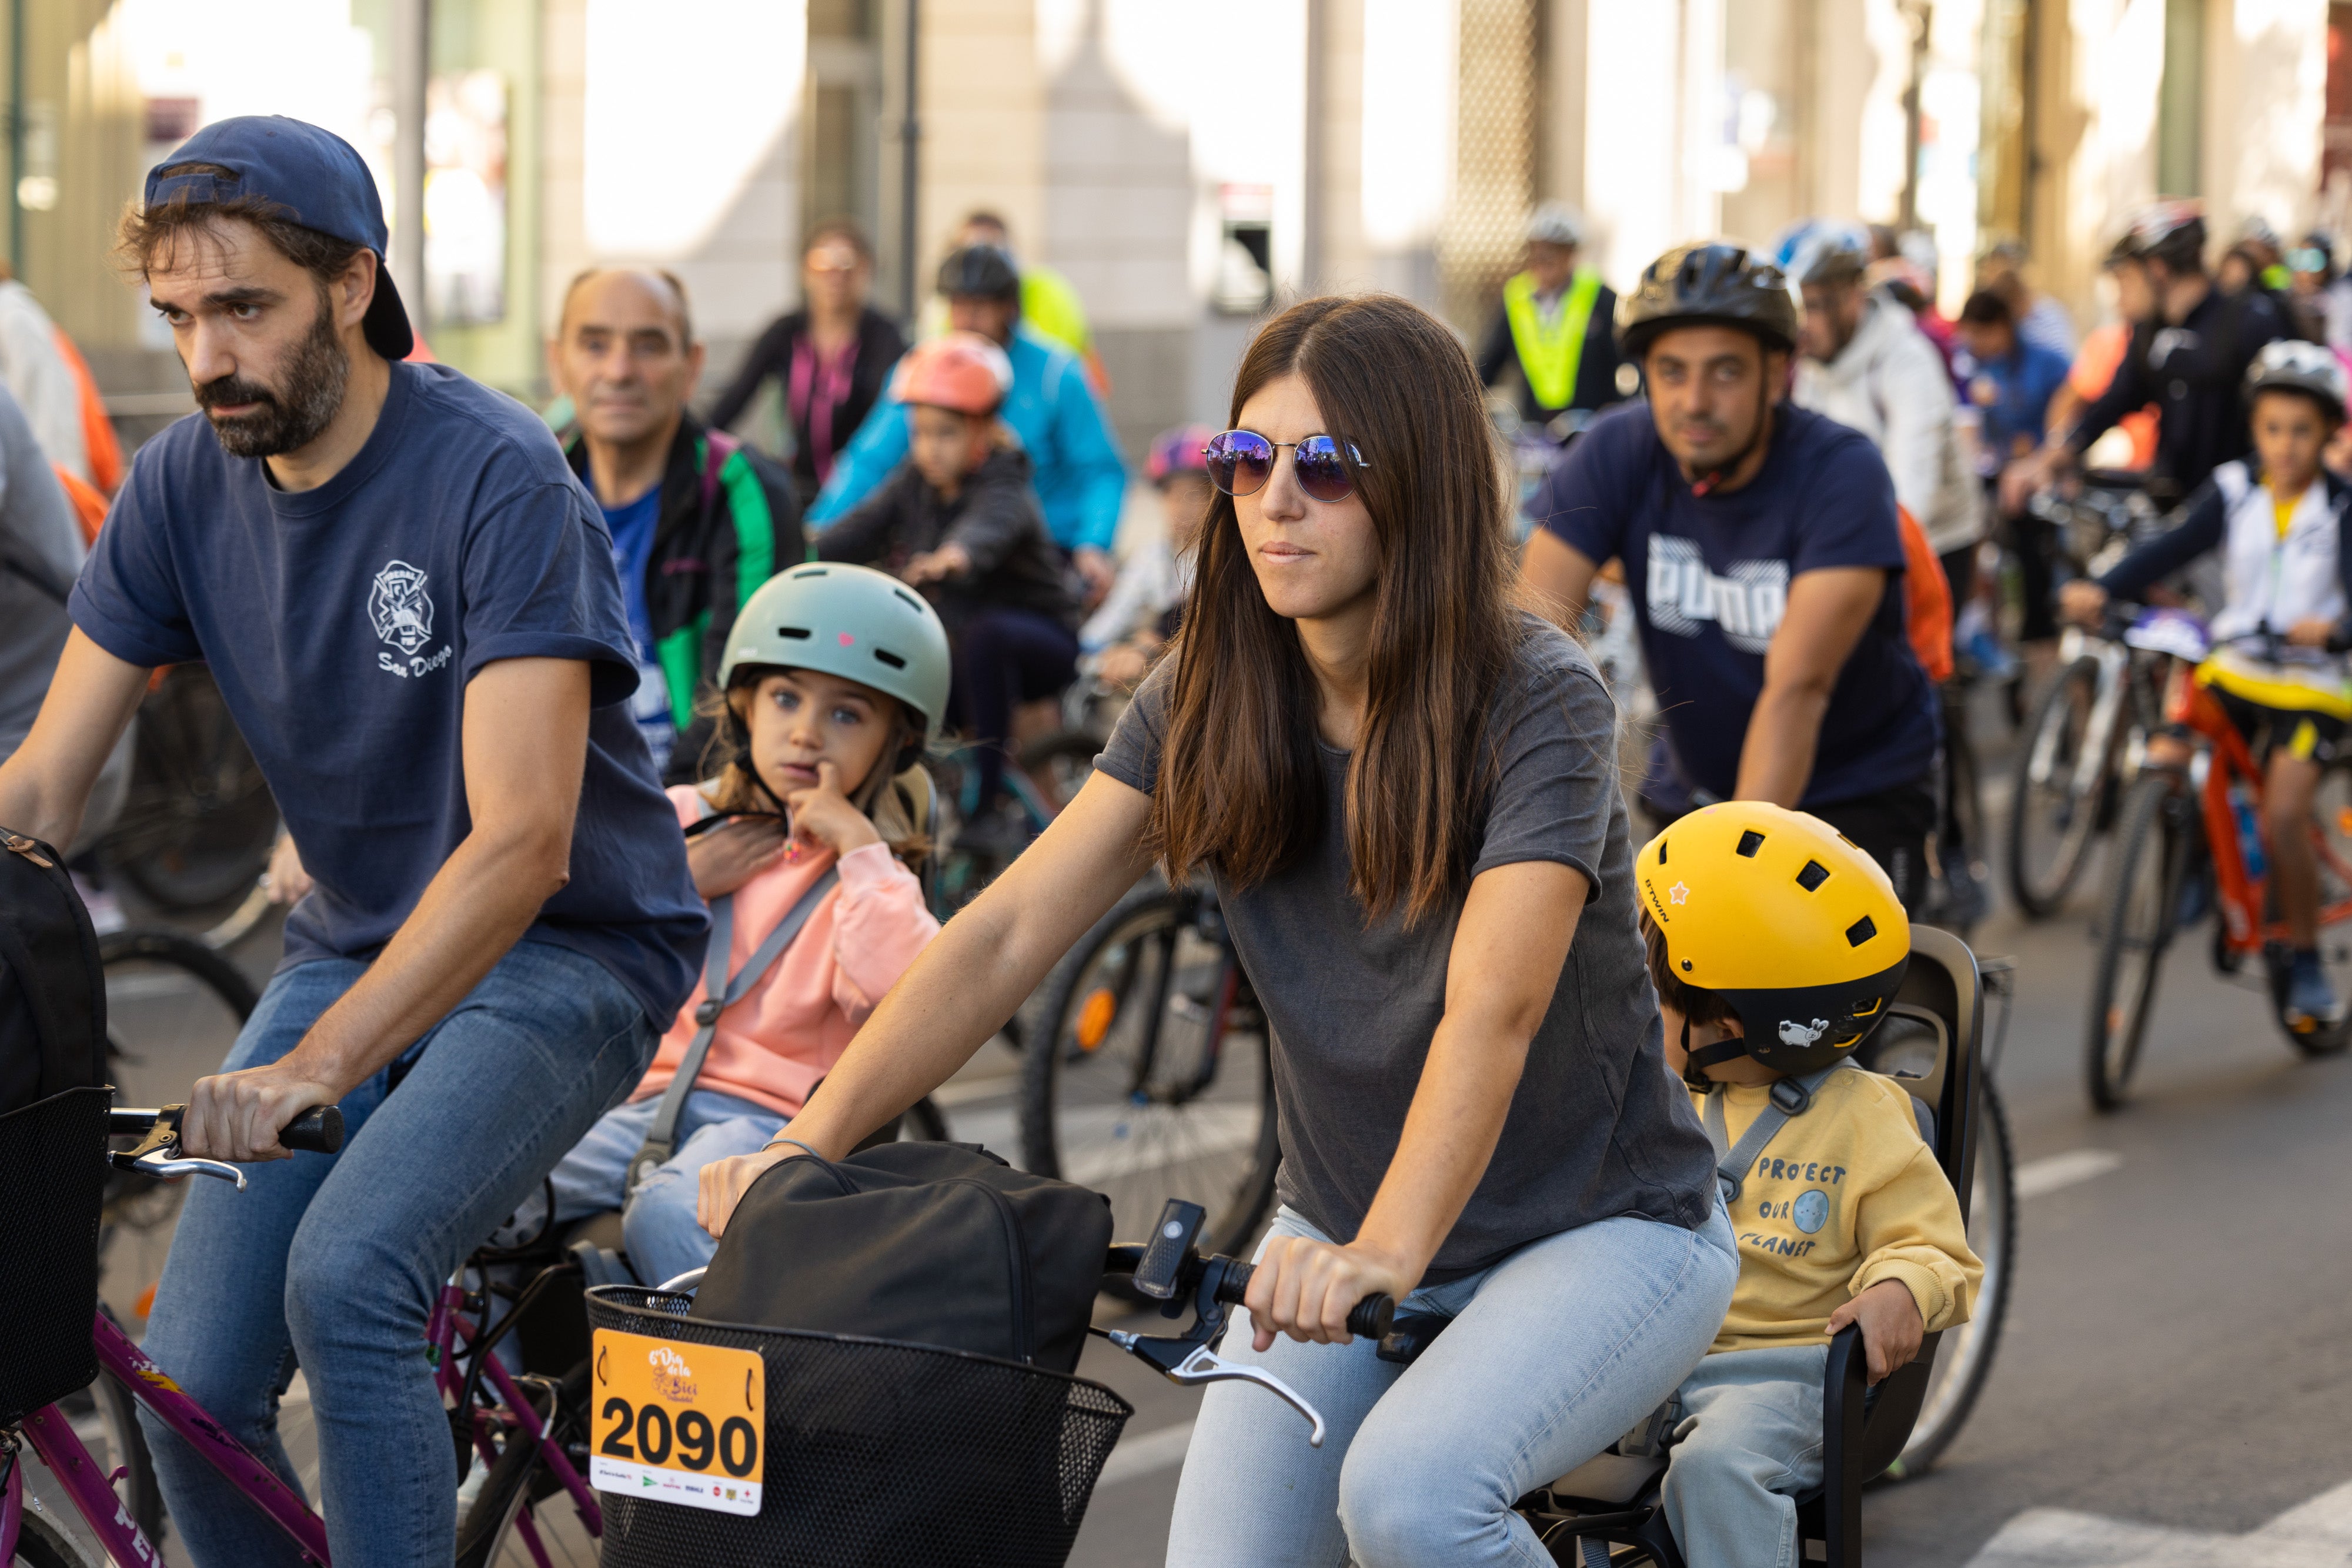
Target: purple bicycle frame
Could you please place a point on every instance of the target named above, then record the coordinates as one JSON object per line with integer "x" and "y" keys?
{"x": 449, "y": 1325}
{"x": 92, "y": 1492}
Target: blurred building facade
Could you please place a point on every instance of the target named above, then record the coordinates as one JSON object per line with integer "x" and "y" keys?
{"x": 1187, "y": 167}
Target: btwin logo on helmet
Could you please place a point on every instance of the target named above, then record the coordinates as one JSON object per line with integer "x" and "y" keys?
{"x": 1794, "y": 1033}
{"x": 401, "y": 612}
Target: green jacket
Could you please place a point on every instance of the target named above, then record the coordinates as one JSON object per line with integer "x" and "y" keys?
{"x": 721, "y": 534}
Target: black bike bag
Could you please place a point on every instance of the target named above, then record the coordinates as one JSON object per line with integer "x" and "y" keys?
{"x": 53, "y": 1101}
{"x": 52, "y": 992}
{"x": 935, "y": 1244}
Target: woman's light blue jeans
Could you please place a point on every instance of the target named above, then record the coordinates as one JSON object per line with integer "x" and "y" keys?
{"x": 657, "y": 1224}
{"x": 334, "y": 1261}
{"x": 1554, "y": 1353}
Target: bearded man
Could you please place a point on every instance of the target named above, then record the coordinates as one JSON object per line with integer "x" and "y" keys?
{"x": 409, "y": 605}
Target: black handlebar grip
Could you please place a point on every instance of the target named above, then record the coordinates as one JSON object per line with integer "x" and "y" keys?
{"x": 1371, "y": 1318}
{"x": 319, "y": 1130}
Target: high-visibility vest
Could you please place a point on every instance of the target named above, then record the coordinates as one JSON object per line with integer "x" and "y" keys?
{"x": 1548, "y": 357}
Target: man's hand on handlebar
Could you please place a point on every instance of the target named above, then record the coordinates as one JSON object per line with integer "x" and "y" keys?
{"x": 1306, "y": 1289}
{"x": 235, "y": 1117}
{"x": 2082, "y": 602}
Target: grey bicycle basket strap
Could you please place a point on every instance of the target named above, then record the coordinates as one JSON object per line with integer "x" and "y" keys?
{"x": 719, "y": 994}
{"x": 1731, "y": 1168}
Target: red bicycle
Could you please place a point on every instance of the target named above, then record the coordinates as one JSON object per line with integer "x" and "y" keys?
{"x": 2185, "y": 828}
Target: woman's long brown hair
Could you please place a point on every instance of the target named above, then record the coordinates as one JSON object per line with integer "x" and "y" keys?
{"x": 1240, "y": 788}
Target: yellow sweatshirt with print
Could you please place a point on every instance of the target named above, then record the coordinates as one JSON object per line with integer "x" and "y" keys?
{"x": 1844, "y": 1197}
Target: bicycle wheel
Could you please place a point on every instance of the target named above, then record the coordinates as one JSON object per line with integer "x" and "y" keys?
{"x": 1964, "y": 1355}
{"x": 39, "y": 1544}
{"x": 198, "y": 823}
{"x": 2142, "y": 908}
{"x": 505, "y": 1515}
{"x": 1148, "y": 1076}
{"x": 2050, "y": 825}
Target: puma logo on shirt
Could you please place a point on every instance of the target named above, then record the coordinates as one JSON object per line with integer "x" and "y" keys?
{"x": 1746, "y": 601}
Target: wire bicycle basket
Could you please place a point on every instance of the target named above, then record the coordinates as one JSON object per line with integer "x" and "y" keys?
{"x": 877, "y": 1454}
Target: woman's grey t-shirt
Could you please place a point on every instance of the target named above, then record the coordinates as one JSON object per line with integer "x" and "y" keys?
{"x": 1597, "y": 1128}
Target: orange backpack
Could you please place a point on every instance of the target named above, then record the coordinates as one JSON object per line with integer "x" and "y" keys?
{"x": 1927, "y": 599}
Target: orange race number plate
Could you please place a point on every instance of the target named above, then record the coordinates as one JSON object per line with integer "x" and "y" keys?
{"x": 678, "y": 1422}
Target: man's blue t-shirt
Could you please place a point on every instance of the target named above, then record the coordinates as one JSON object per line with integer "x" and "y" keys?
{"x": 1709, "y": 580}
{"x": 342, "y": 625}
{"x": 632, "y": 528}
{"x": 2021, "y": 385}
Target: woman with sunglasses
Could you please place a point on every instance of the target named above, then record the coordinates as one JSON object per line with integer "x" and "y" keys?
{"x": 1406, "y": 791}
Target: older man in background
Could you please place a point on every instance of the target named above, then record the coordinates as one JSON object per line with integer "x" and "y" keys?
{"x": 698, "y": 520}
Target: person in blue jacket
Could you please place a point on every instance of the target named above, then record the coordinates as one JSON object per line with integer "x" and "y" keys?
{"x": 1080, "y": 479}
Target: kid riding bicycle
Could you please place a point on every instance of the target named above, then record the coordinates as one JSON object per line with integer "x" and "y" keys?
{"x": 2278, "y": 519}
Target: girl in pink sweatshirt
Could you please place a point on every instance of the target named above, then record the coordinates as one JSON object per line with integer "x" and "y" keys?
{"x": 841, "y": 759}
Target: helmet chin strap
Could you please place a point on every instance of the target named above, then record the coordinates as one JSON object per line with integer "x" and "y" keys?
{"x": 1706, "y": 479}
{"x": 1695, "y": 1062}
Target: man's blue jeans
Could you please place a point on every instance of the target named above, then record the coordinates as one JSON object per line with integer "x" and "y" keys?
{"x": 1554, "y": 1353}
{"x": 334, "y": 1261}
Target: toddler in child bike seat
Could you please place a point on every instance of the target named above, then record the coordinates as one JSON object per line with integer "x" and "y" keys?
{"x": 1776, "y": 947}
{"x": 835, "y": 679}
{"x": 2278, "y": 519}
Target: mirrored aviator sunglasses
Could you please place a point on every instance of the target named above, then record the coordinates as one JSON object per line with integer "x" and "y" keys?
{"x": 1242, "y": 460}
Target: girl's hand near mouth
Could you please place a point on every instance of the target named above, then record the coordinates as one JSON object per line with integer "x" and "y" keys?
{"x": 822, "y": 815}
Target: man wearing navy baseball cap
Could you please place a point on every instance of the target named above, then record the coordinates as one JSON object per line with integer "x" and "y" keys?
{"x": 409, "y": 605}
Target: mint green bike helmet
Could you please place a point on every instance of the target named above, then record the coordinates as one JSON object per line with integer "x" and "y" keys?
{"x": 852, "y": 622}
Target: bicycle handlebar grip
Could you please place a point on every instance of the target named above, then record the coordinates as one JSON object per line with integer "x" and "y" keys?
{"x": 1373, "y": 1317}
{"x": 319, "y": 1130}
{"x": 1369, "y": 1319}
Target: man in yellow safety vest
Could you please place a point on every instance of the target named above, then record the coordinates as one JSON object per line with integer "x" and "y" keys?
{"x": 1555, "y": 327}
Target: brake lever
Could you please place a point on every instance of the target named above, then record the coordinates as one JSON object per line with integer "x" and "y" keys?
{"x": 164, "y": 1167}
{"x": 1205, "y": 1366}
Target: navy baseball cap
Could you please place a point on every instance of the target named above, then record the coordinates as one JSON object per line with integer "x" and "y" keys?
{"x": 318, "y": 179}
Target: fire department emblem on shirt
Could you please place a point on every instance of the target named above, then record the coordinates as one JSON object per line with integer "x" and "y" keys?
{"x": 400, "y": 608}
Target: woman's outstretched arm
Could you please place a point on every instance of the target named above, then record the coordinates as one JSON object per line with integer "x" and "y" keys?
{"x": 979, "y": 968}
{"x": 1501, "y": 975}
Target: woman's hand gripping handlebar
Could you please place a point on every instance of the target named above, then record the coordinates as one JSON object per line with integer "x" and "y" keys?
{"x": 1169, "y": 1269}
{"x": 319, "y": 1130}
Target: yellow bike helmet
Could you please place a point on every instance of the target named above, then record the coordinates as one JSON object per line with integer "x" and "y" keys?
{"x": 1784, "y": 919}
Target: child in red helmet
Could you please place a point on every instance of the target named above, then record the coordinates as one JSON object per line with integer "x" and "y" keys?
{"x": 960, "y": 521}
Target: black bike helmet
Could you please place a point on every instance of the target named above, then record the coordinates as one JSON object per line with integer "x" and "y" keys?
{"x": 1708, "y": 283}
{"x": 2170, "y": 232}
{"x": 981, "y": 271}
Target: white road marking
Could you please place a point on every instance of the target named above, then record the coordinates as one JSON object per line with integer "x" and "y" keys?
{"x": 2314, "y": 1534}
{"x": 1147, "y": 1455}
{"x": 2047, "y": 1175}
